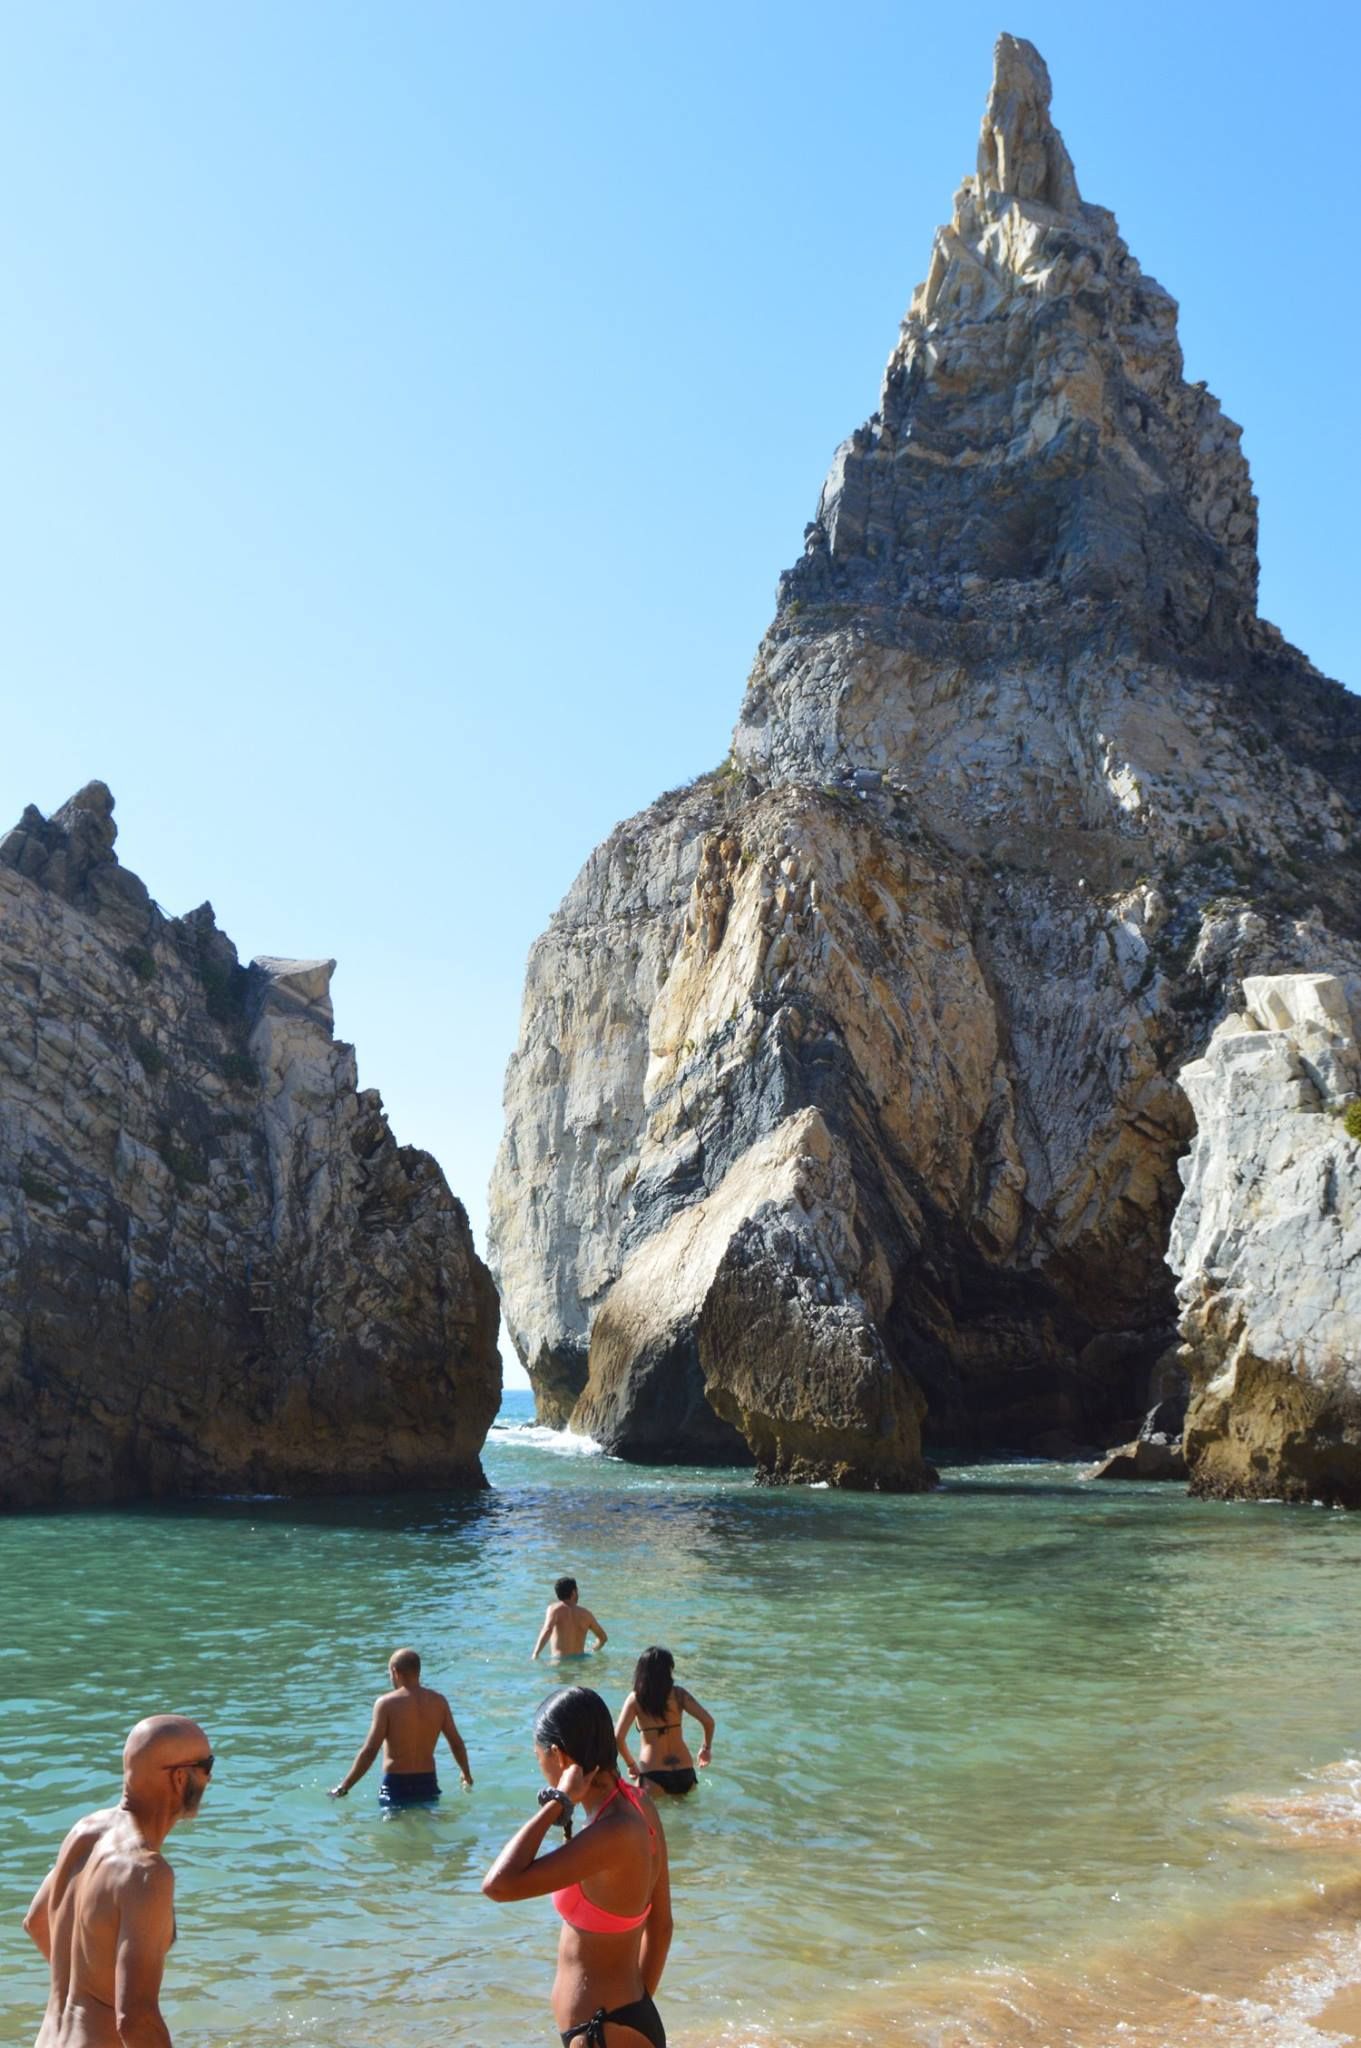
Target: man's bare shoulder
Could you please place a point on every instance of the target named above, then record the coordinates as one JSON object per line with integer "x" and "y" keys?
{"x": 90, "y": 1827}
{"x": 555, "y": 1610}
{"x": 127, "y": 1868}
{"x": 81, "y": 1841}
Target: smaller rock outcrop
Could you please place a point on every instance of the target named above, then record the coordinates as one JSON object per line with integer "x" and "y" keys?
{"x": 736, "y": 1311}
{"x": 1267, "y": 1247}
{"x": 218, "y": 1269}
{"x": 1155, "y": 1453}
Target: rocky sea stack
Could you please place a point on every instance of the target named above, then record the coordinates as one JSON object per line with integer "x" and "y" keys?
{"x": 844, "y": 1116}
{"x": 217, "y": 1267}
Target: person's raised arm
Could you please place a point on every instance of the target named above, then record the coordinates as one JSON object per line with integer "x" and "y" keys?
{"x": 657, "y": 1927}
{"x": 520, "y": 1872}
{"x": 368, "y": 1750}
{"x": 455, "y": 1742}
{"x": 146, "y": 1928}
{"x": 543, "y": 1635}
{"x": 706, "y": 1721}
{"x": 628, "y": 1715}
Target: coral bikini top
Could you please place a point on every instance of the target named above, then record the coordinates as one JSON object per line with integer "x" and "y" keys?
{"x": 573, "y": 1904}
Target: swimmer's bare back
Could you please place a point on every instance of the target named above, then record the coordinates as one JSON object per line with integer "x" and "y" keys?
{"x": 105, "y": 1918}
{"x": 407, "y": 1724}
{"x": 566, "y": 1627}
{"x": 412, "y": 1725}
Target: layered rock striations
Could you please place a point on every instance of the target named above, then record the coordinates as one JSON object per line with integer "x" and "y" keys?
{"x": 217, "y": 1267}
{"x": 1267, "y": 1244}
{"x": 844, "y": 1116}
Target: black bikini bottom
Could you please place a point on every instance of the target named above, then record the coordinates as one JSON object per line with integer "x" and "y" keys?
{"x": 671, "y": 1781}
{"x": 642, "y": 2016}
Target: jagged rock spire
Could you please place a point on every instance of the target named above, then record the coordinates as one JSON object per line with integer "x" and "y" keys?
{"x": 1036, "y": 438}
{"x": 1041, "y": 495}
{"x": 1020, "y": 151}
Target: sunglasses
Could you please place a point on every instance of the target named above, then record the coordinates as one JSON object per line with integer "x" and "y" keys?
{"x": 194, "y": 1763}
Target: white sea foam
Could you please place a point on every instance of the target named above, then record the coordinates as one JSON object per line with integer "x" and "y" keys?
{"x": 1327, "y": 1808}
{"x": 1292, "y": 2008}
{"x": 566, "y": 1443}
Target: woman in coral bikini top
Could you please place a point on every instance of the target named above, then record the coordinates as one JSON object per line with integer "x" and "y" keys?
{"x": 609, "y": 1880}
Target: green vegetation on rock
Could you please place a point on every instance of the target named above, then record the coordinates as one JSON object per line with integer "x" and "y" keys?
{"x": 153, "y": 1060}
{"x": 184, "y": 1162}
{"x": 37, "y": 1187}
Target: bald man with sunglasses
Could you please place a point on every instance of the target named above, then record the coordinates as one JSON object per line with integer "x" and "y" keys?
{"x": 104, "y": 1916}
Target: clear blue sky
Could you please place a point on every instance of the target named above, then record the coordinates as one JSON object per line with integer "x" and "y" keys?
{"x": 408, "y": 411}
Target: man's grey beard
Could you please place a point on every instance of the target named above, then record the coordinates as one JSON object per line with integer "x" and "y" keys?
{"x": 192, "y": 1798}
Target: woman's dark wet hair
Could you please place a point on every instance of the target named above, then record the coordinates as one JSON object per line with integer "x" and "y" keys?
{"x": 577, "y": 1721}
{"x": 652, "y": 1681}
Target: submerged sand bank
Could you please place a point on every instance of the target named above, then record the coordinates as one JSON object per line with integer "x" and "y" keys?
{"x": 1295, "y": 1986}
{"x": 1279, "y": 1973}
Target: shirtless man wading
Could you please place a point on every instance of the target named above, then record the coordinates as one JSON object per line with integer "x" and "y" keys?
{"x": 567, "y": 1623}
{"x": 407, "y": 1723}
{"x": 104, "y": 1916}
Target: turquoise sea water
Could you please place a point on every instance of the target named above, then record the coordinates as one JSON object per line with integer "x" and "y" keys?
{"x": 1023, "y": 1738}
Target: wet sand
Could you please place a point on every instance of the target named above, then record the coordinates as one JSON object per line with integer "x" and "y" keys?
{"x": 1342, "y": 2014}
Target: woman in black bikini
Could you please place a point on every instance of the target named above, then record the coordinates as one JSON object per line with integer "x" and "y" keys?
{"x": 657, "y": 1704}
{"x": 609, "y": 1883}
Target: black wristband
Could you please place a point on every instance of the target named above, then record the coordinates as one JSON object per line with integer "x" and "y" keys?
{"x": 551, "y": 1796}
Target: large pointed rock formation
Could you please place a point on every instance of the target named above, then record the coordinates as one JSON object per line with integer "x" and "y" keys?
{"x": 217, "y": 1267}
{"x": 844, "y": 1112}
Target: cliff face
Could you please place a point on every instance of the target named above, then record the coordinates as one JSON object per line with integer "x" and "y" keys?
{"x": 1266, "y": 1242}
{"x": 845, "y": 1099}
{"x": 217, "y": 1268}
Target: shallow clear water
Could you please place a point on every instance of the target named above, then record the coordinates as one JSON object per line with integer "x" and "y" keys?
{"x": 999, "y": 1741}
